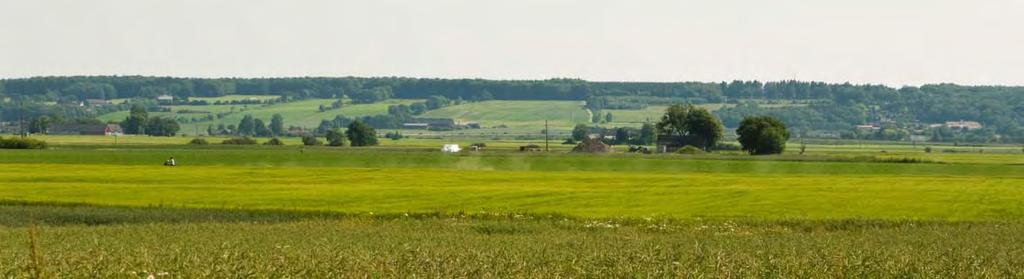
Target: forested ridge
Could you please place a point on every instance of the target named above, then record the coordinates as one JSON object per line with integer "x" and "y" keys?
{"x": 822, "y": 106}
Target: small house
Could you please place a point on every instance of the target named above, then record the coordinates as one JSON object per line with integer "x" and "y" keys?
{"x": 113, "y": 130}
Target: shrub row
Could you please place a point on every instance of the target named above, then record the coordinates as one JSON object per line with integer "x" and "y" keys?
{"x": 21, "y": 143}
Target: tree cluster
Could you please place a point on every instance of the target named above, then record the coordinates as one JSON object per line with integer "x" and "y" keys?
{"x": 693, "y": 122}
{"x": 138, "y": 122}
{"x": 250, "y": 126}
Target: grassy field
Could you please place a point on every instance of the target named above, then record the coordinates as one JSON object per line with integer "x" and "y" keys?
{"x": 531, "y": 114}
{"x": 89, "y": 208}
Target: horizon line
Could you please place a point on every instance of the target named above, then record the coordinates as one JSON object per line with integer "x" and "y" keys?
{"x": 6, "y": 78}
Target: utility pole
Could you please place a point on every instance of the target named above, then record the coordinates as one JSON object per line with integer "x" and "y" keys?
{"x": 546, "y": 133}
{"x": 21, "y": 117}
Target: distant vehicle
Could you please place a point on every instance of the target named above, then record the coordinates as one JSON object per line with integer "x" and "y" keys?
{"x": 451, "y": 148}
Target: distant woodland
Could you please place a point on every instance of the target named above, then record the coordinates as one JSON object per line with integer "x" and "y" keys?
{"x": 806, "y": 106}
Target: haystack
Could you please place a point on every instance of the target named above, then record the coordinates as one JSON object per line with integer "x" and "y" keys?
{"x": 592, "y": 145}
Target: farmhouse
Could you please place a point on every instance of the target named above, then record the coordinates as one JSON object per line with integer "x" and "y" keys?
{"x": 870, "y": 128}
{"x": 86, "y": 129}
{"x": 963, "y": 125}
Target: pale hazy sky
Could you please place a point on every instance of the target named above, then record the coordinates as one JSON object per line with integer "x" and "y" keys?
{"x": 894, "y": 42}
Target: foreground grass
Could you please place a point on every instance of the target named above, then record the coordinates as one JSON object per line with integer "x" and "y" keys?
{"x": 77, "y": 241}
{"x": 577, "y": 193}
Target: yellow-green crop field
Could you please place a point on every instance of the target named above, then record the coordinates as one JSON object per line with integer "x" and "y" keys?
{"x": 86, "y": 207}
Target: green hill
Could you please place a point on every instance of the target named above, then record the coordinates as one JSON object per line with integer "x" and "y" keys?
{"x": 305, "y": 113}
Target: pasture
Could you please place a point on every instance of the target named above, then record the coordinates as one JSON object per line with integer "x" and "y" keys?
{"x": 88, "y": 207}
{"x": 518, "y": 114}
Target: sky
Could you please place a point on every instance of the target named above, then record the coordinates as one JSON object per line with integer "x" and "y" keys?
{"x": 892, "y": 42}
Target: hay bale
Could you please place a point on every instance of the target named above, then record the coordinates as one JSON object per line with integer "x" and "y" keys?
{"x": 592, "y": 145}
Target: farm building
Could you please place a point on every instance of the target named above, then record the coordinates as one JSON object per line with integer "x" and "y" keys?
{"x": 416, "y": 126}
{"x": 165, "y": 99}
{"x": 530, "y": 147}
{"x": 86, "y": 129}
{"x": 671, "y": 143}
{"x": 430, "y": 123}
{"x": 963, "y": 125}
{"x": 870, "y": 128}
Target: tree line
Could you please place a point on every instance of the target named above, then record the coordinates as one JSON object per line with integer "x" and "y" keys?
{"x": 822, "y": 106}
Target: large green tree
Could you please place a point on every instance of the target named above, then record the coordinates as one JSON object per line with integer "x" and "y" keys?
{"x": 648, "y": 135}
{"x": 580, "y": 132}
{"x": 162, "y": 127}
{"x": 360, "y": 134}
{"x": 260, "y": 128}
{"x": 39, "y": 125}
{"x": 277, "y": 125}
{"x": 762, "y": 135}
{"x": 247, "y": 127}
{"x": 137, "y": 120}
{"x": 694, "y": 122}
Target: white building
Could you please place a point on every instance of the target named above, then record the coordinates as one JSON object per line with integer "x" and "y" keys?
{"x": 963, "y": 125}
{"x": 451, "y": 148}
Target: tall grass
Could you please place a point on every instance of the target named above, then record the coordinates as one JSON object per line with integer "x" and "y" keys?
{"x": 244, "y": 244}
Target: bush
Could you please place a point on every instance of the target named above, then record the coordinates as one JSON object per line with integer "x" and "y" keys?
{"x": 689, "y": 149}
{"x": 728, "y": 147}
{"x": 21, "y": 143}
{"x": 240, "y": 141}
{"x": 904, "y": 160}
{"x": 311, "y": 141}
{"x": 198, "y": 141}
{"x": 274, "y": 141}
{"x": 927, "y": 149}
{"x": 762, "y": 135}
{"x": 335, "y": 138}
{"x": 394, "y": 135}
